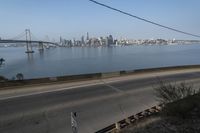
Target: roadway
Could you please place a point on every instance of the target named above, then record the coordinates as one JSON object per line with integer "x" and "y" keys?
{"x": 98, "y": 103}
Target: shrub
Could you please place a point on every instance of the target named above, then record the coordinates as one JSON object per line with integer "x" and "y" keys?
{"x": 178, "y": 99}
{"x": 170, "y": 92}
{"x": 20, "y": 76}
{"x": 3, "y": 78}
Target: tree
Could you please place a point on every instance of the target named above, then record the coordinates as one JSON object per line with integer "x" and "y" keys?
{"x": 2, "y": 60}
{"x": 2, "y": 78}
{"x": 20, "y": 76}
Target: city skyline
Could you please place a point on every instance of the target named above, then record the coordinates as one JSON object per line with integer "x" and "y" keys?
{"x": 72, "y": 19}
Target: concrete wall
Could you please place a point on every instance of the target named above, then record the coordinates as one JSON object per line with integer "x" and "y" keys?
{"x": 74, "y": 78}
{"x": 110, "y": 74}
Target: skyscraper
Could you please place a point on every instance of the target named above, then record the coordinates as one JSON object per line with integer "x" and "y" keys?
{"x": 107, "y": 41}
{"x": 82, "y": 40}
{"x": 110, "y": 39}
{"x": 88, "y": 38}
{"x": 61, "y": 40}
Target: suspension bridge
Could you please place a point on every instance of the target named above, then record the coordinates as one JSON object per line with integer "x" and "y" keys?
{"x": 28, "y": 41}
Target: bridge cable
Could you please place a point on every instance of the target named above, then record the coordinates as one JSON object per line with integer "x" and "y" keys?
{"x": 148, "y": 21}
{"x": 18, "y": 36}
{"x": 34, "y": 37}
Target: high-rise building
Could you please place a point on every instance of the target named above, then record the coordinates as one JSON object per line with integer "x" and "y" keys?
{"x": 74, "y": 42}
{"x": 115, "y": 42}
{"x": 110, "y": 39}
{"x": 101, "y": 40}
{"x": 107, "y": 41}
{"x": 82, "y": 40}
{"x": 61, "y": 40}
{"x": 88, "y": 38}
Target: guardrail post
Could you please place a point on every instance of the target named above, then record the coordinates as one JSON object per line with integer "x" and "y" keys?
{"x": 117, "y": 126}
{"x": 128, "y": 121}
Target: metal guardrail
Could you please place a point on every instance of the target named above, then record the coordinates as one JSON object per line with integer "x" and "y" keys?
{"x": 131, "y": 120}
{"x": 108, "y": 129}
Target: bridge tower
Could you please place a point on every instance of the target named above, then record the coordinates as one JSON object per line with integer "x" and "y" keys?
{"x": 28, "y": 41}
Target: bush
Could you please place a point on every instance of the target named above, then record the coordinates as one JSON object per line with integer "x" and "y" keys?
{"x": 3, "y": 78}
{"x": 178, "y": 99}
{"x": 168, "y": 92}
{"x": 181, "y": 109}
{"x": 20, "y": 76}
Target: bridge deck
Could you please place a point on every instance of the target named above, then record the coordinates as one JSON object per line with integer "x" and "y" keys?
{"x": 24, "y": 41}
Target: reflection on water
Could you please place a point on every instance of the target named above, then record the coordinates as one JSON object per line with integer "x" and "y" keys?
{"x": 30, "y": 58}
{"x": 77, "y": 60}
{"x": 41, "y": 53}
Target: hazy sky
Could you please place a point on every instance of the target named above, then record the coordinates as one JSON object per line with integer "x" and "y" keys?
{"x": 73, "y": 18}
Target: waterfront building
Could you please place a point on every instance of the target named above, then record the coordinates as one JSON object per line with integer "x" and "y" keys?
{"x": 95, "y": 42}
{"x": 107, "y": 41}
{"x": 61, "y": 40}
{"x": 115, "y": 42}
{"x": 82, "y": 41}
{"x": 88, "y": 37}
{"x": 101, "y": 40}
{"x": 110, "y": 40}
{"x": 74, "y": 42}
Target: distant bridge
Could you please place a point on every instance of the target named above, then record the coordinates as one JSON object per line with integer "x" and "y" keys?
{"x": 24, "y": 41}
{"x": 28, "y": 41}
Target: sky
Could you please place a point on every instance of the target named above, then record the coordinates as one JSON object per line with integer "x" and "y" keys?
{"x": 74, "y": 18}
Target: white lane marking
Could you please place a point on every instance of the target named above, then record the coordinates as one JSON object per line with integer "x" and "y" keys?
{"x": 57, "y": 90}
{"x": 112, "y": 87}
{"x": 100, "y": 82}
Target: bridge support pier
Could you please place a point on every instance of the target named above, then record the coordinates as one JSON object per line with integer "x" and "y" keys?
{"x": 41, "y": 46}
{"x": 29, "y": 51}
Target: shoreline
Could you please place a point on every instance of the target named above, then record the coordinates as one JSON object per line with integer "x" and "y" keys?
{"x": 112, "y": 45}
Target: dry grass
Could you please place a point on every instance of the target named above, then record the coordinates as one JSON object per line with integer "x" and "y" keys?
{"x": 168, "y": 125}
{"x": 181, "y": 113}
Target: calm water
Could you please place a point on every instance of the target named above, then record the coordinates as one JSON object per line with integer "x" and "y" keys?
{"x": 69, "y": 61}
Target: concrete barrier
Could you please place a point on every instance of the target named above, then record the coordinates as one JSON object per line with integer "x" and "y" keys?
{"x": 110, "y": 74}
{"x": 72, "y": 78}
{"x": 127, "y": 72}
{"x": 53, "y": 79}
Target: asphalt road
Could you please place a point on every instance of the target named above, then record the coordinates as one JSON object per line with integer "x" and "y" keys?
{"x": 97, "y": 106}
